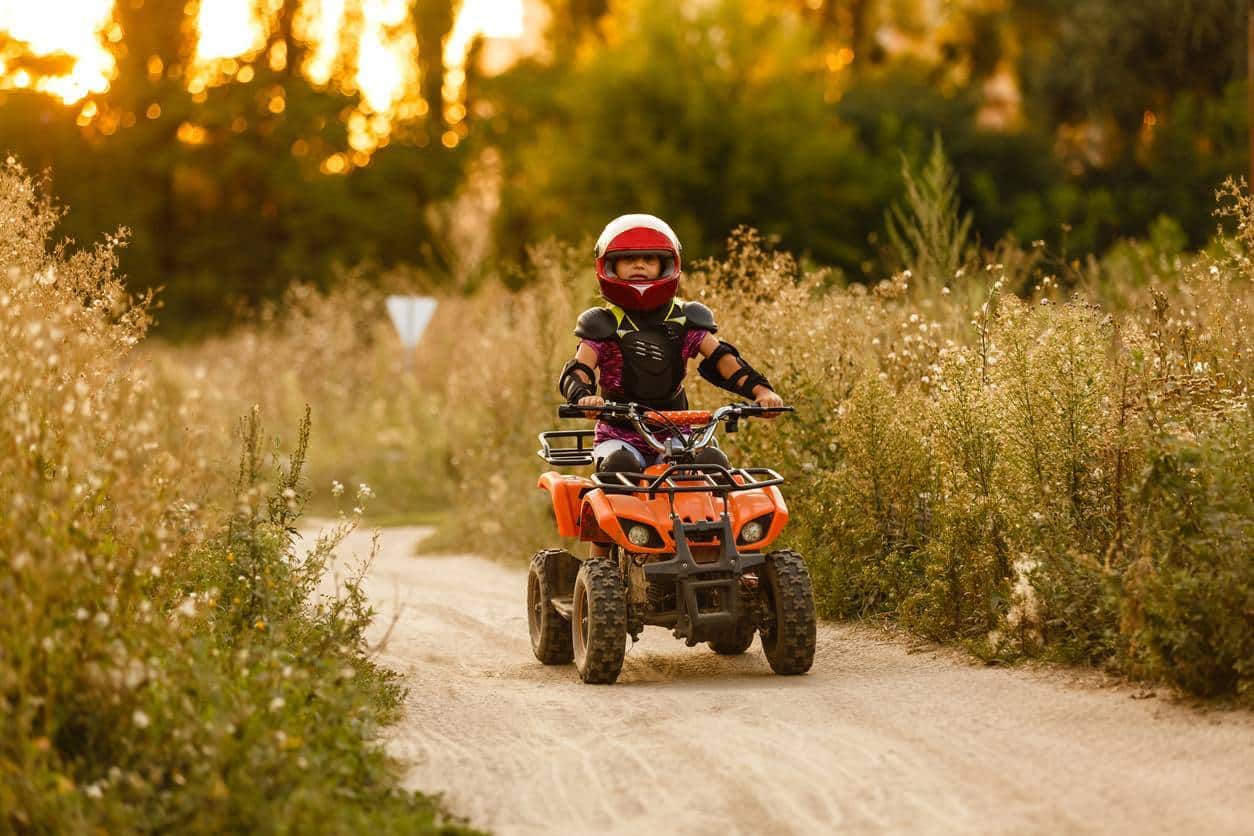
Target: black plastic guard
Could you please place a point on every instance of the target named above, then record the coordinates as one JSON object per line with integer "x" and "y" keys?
{"x": 690, "y": 577}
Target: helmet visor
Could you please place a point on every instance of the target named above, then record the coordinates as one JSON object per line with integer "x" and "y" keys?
{"x": 666, "y": 259}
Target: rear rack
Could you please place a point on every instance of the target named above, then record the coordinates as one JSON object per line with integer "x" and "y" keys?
{"x": 563, "y": 455}
{"x": 711, "y": 478}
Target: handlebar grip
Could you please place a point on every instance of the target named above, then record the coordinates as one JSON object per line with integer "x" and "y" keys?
{"x": 569, "y": 410}
{"x": 754, "y": 408}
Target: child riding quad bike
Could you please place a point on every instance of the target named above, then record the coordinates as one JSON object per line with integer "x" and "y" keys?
{"x": 684, "y": 547}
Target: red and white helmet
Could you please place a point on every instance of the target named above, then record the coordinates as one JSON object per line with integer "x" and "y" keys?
{"x": 638, "y": 235}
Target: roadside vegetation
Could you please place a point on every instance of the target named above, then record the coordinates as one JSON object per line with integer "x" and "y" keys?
{"x": 996, "y": 447}
{"x": 1030, "y": 456}
{"x": 169, "y": 657}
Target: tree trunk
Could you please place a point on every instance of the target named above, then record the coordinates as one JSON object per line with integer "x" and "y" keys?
{"x": 1250, "y": 82}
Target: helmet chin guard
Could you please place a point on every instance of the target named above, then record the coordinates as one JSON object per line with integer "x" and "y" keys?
{"x": 638, "y": 235}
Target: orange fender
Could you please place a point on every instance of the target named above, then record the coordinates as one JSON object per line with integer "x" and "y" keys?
{"x": 565, "y": 491}
{"x": 750, "y": 505}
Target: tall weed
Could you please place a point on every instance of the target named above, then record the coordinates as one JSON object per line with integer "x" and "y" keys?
{"x": 163, "y": 663}
{"x": 1035, "y": 474}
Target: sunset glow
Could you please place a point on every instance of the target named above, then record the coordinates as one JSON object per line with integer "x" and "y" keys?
{"x": 228, "y": 28}
{"x": 385, "y": 65}
{"x": 386, "y": 77}
{"x": 74, "y": 27}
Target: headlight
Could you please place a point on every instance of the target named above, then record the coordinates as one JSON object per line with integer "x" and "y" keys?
{"x": 753, "y": 531}
{"x": 639, "y": 535}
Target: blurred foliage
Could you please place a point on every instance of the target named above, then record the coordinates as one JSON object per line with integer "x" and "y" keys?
{"x": 1073, "y": 123}
{"x": 732, "y": 114}
{"x": 221, "y": 190}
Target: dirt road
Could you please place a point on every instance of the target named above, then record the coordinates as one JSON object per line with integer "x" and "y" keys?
{"x": 880, "y": 737}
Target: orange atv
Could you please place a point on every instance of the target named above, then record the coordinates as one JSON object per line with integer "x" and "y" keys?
{"x": 685, "y": 547}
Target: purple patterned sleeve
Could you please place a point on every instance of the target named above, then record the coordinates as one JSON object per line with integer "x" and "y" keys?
{"x": 692, "y": 341}
{"x": 609, "y": 366}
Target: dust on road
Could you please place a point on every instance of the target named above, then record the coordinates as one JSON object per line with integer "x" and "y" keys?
{"x": 877, "y": 738}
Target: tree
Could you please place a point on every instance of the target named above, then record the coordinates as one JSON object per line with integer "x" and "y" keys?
{"x": 433, "y": 22}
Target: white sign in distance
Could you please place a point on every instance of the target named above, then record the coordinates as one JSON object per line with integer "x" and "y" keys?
{"x": 410, "y": 315}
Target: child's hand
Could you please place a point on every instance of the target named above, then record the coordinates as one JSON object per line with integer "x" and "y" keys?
{"x": 591, "y": 400}
{"x": 766, "y": 398}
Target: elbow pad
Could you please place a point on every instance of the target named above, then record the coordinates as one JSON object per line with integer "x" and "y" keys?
{"x": 572, "y": 386}
{"x": 742, "y": 382}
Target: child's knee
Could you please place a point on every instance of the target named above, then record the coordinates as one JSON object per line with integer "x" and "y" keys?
{"x": 712, "y": 455}
{"x": 620, "y": 461}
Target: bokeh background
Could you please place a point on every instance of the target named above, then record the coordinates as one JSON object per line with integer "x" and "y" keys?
{"x": 247, "y": 144}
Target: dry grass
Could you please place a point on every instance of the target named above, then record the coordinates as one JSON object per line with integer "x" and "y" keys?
{"x": 1058, "y": 475}
{"x": 164, "y": 663}
{"x": 1045, "y": 472}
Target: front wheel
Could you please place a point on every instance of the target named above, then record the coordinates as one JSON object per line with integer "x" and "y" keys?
{"x": 789, "y": 629}
{"x": 598, "y": 621}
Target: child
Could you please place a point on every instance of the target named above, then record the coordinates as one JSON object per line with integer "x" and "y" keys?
{"x": 642, "y": 342}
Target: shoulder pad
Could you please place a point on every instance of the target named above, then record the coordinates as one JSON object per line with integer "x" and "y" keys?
{"x": 699, "y": 316}
{"x": 596, "y": 324}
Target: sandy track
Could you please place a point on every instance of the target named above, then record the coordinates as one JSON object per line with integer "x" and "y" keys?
{"x": 879, "y": 737}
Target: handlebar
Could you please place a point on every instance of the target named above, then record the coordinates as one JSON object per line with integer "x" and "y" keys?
{"x": 639, "y": 416}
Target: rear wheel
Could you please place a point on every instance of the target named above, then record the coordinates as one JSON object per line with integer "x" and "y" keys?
{"x": 550, "y": 633}
{"x": 598, "y": 622}
{"x": 789, "y": 629}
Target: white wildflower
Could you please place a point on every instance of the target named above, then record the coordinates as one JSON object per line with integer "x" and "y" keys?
{"x": 336, "y": 488}
{"x": 140, "y": 719}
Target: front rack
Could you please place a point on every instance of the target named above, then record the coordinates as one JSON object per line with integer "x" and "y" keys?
{"x": 709, "y": 478}
{"x": 561, "y": 454}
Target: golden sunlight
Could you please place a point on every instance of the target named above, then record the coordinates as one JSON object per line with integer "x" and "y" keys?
{"x": 228, "y": 29}
{"x": 385, "y": 66}
{"x": 74, "y": 27}
{"x": 490, "y": 18}
{"x": 318, "y": 23}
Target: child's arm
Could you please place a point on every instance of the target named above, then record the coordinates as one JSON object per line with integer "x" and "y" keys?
{"x": 578, "y": 380}
{"x": 724, "y": 368}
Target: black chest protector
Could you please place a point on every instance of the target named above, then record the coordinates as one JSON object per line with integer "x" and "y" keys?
{"x": 653, "y": 365}
{"x": 651, "y": 344}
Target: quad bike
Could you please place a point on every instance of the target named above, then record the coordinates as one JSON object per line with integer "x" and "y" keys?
{"x": 684, "y": 546}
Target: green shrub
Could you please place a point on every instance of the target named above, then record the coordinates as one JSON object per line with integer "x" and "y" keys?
{"x": 164, "y": 664}
{"x": 1189, "y": 609}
